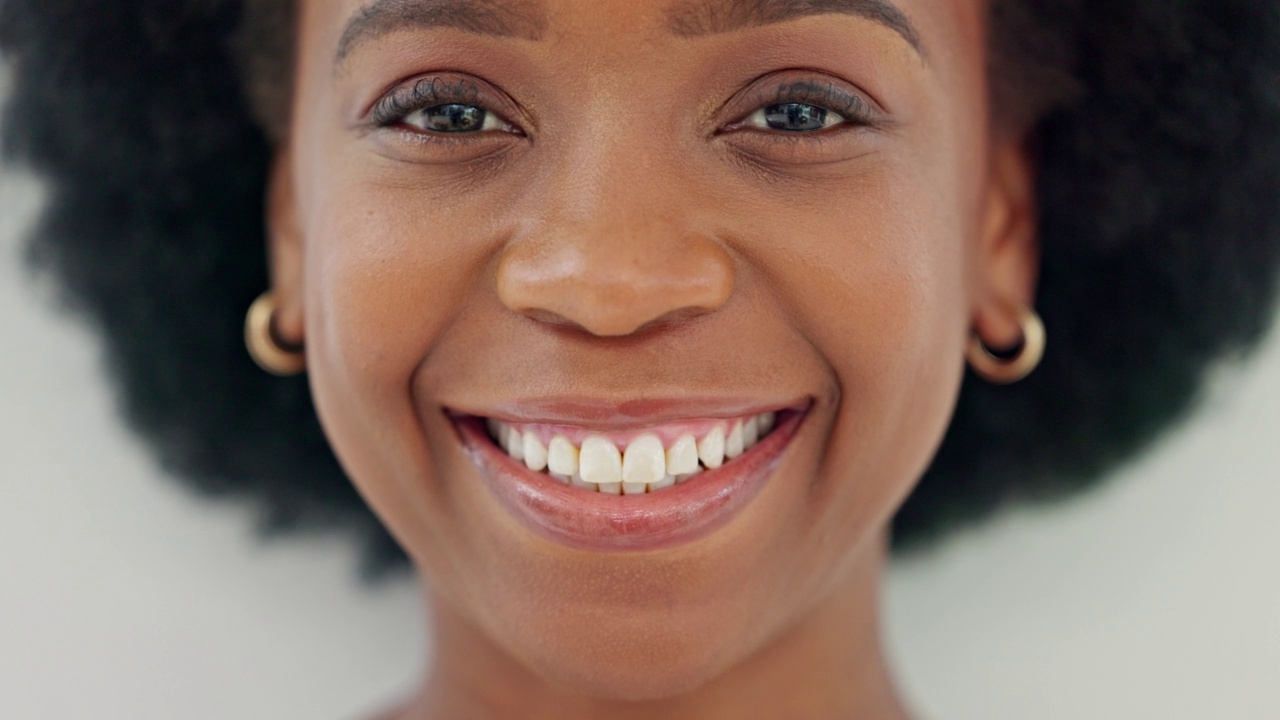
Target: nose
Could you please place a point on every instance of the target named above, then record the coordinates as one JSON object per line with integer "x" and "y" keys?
{"x": 615, "y": 271}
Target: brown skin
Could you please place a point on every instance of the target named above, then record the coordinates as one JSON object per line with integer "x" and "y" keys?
{"x": 622, "y": 248}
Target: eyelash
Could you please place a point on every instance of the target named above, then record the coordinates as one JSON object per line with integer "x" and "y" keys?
{"x": 855, "y": 110}
{"x": 392, "y": 109}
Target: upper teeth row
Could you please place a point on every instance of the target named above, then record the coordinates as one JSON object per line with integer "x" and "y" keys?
{"x": 643, "y": 466}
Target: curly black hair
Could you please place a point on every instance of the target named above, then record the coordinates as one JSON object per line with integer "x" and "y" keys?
{"x": 1156, "y": 124}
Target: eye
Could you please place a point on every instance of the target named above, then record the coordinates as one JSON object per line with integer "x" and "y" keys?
{"x": 443, "y": 107}
{"x": 794, "y": 117}
{"x": 800, "y": 118}
{"x": 455, "y": 118}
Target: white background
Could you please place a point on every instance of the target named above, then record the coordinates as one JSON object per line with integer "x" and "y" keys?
{"x": 121, "y": 596}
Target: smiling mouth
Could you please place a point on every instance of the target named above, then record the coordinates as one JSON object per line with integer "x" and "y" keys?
{"x": 634, "y": 462}
{"x": 627, "y": 488}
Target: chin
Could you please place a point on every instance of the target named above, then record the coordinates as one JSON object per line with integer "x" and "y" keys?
{"x": 644, "y": 660}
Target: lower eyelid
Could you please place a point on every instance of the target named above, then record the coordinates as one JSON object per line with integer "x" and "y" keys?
{"x": 815, "y": 136}
{"x": 428, "y": 136}
{"x": 768, "y": 148}
{"x": 420, "y": 147}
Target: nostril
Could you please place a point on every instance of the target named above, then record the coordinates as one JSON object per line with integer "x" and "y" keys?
{"x": 610, "y": 293}
{"x": 609, "y": 312}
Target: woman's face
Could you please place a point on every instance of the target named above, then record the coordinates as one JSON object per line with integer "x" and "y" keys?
{"x": 620, "y": 219}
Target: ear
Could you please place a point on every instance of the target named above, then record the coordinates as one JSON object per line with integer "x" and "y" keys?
{"x": 1009, "y": 252}
{"x": 285, "y": 249}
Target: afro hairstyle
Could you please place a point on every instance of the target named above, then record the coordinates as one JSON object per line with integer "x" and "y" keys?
{"x": 1155, "y": 125}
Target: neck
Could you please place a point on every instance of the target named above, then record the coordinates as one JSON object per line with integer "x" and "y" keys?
{"x": 829, "y": 664}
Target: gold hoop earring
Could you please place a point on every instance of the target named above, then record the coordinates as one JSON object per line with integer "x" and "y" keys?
{"x": 1008, "y": 370}
{"x": 267, "y": 349}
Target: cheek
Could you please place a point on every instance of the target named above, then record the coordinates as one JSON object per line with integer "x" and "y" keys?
{"x": 883, "y": 300}
{"x": 384, "y": 280}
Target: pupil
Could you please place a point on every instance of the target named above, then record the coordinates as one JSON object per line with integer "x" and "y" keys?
{"x": 454, "y": 118}
{"x": 795, "y": 117}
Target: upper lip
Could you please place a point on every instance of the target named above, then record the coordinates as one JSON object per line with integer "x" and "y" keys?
{"x": 626, "y": 414}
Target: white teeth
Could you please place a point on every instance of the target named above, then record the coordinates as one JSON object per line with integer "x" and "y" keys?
{"x": 562, "y": 457}
{"x": 535, "y": 455}
{"x": 513, "y": 442}
{"x": 750, "y": 433}
{"x": 645, "y": 461}
{"x": 645, "y": 466}
{"x": 600, "y": 462}
{"x": 711, "y": 448}
{"x": 733, "y": 443}
{"x": 682, "y": 458}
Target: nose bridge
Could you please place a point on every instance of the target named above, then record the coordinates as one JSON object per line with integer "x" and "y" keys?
{"x": 621, "y": 155}
{"x": 617, "y": 243}
{"x": 625, "y": 211}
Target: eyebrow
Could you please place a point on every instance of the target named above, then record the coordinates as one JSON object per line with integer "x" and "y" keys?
{"x": 499, "y": 18}
{"x": 697, "y": 18}
{"x": 526, "y": 20}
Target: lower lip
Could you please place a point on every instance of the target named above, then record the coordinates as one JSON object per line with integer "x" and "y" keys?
{"x": 599, "y": 522}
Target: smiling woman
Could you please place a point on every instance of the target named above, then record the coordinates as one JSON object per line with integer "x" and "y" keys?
{"x": 640, "y": 327}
